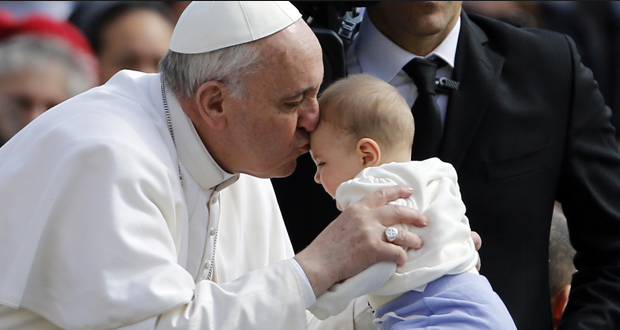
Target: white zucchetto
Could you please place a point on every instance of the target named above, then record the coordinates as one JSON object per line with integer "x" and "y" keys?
{"x": 206, "y": 26}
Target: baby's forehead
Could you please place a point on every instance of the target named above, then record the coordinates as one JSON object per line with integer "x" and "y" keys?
{"x": 314, "y": 136}
{"x": 325, "y": 128}
{"x": 314, "y": 155}
{"x": 321, "y": 137}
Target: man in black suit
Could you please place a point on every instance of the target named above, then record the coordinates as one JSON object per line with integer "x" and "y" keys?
{"x": 526, "y": 126}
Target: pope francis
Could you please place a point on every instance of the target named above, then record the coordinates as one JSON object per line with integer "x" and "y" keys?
{"x": 145, "y": 203}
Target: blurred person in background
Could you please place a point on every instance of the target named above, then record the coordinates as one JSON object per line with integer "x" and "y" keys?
{"x": 125, "y": 34}
{"x": 561, "y": 268}
{"x": 43, "y": 61}
{"x": 593, "y": 25}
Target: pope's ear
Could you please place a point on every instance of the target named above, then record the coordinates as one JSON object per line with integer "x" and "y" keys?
{"x": 368, "y": 151}
{"x": 210, "y": 102}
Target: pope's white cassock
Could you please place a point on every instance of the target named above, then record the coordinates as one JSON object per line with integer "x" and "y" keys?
{"x": 105, "y": 224}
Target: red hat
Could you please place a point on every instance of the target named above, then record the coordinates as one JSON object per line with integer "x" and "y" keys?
{"x": 40, "y": 24}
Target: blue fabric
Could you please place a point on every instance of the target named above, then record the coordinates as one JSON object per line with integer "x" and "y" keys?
{"x": 463, "y": 301}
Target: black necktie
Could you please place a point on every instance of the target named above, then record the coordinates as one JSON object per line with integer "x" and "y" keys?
{"x": 426, "y": 114}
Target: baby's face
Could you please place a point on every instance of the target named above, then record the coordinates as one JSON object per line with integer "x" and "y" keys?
{"x": 335, "y": 164}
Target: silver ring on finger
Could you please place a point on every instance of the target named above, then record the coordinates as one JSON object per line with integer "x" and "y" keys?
{"x": 391, "y": 233}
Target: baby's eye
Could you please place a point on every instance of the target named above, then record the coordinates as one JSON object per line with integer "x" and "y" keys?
{"x": 319, "y": 164}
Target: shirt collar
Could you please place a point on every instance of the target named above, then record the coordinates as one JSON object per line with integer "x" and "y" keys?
{"x": 192, "y": 152}
{"x": 380, "y": 57}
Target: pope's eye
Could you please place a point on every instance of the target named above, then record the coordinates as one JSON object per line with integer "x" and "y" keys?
{"x": 293, "y": 104}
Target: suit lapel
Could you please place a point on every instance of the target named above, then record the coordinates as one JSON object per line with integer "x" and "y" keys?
{"x": 477, "y": 69}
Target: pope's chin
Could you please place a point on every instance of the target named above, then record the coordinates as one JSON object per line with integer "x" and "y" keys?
{"x": 283, "y": 170}
{"x": 286, "y": 170}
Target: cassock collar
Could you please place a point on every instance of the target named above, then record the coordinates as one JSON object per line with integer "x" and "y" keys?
{"x": 381, "y": 57}
{"x": 192, "y": 152}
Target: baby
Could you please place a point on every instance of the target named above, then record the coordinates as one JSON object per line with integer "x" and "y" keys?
{"x": 362, "y": 143}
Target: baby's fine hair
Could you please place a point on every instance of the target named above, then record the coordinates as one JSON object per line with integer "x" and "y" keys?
{"x": 366, "y": 106}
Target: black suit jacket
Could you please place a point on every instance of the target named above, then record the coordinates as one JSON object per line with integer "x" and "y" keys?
{"x": 527, "y": 126}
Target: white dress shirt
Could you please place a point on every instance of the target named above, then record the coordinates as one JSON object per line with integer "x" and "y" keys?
{"x": 373, "y": 53}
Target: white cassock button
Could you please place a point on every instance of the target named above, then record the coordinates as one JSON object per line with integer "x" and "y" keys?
{"x": 206, "y": 269}
{"x": 212, "y": 232}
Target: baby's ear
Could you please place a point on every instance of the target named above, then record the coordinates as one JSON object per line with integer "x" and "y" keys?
{"x": 368, "y": 151}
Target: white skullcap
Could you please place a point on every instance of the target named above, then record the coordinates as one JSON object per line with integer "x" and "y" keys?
{"x": 205, "y": 26}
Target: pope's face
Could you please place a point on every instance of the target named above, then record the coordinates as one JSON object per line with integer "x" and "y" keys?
{"x": 270, "y": 123}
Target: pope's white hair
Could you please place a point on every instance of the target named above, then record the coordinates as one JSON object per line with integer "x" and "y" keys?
{"x": 184, "y": 73}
